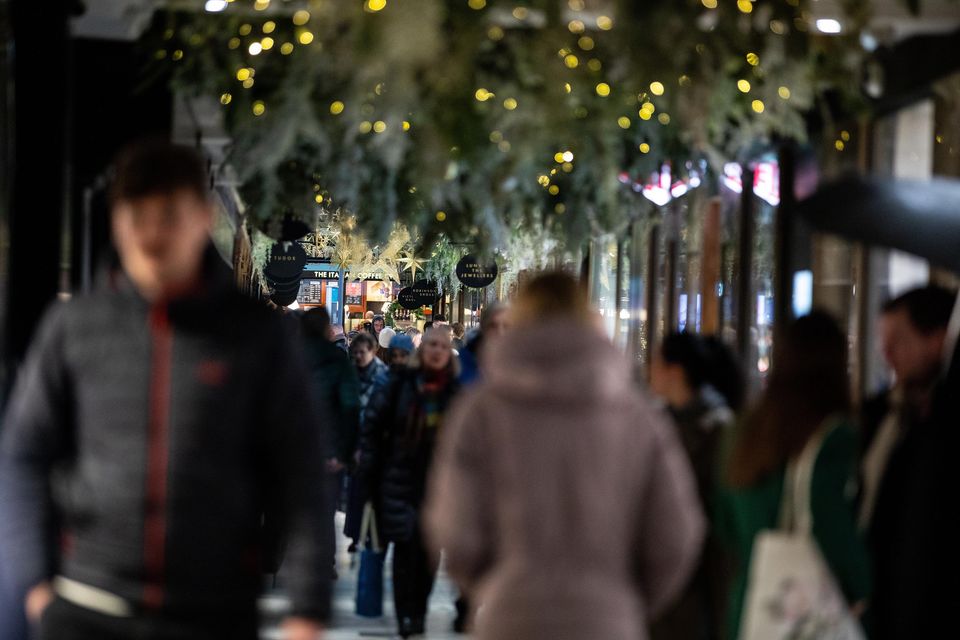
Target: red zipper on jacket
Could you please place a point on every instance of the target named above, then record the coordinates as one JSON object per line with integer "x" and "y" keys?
{"x": 155, "y": 521}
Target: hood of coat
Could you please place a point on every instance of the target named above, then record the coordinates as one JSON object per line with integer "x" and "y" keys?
{"x": 559, "y": 360}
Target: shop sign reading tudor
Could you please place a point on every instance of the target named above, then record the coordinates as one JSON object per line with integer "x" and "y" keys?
{"x": 476, "y": 273}
{"x": 286, "y": 261}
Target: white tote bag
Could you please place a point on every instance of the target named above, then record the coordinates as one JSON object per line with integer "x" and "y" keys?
{"x": 791, "y": 593}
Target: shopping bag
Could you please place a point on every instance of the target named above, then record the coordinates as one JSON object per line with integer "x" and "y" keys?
{"x": 369, "y": 600}
{"x": 791, "y": 593}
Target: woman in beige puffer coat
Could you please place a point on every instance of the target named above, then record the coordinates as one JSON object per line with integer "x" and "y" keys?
{"x": 564, "y": 502}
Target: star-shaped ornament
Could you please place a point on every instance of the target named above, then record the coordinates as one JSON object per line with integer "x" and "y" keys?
{"x": 411, "y": 264}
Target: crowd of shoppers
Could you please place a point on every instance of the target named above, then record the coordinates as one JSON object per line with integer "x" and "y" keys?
{"x": 168, "y": 441}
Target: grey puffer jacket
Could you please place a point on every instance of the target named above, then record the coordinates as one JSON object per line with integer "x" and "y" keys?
{"x": 563, "y": 500}
{"x": 160, "y": 438}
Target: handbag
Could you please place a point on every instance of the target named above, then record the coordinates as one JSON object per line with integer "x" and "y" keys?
{"x": 369, "y": 600}
{"x": 791, "y": 593}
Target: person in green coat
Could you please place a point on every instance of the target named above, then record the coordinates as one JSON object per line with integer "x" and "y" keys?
{"x": 808, "y": 393}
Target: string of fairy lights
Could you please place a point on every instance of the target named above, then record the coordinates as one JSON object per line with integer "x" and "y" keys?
{"x": 588, "y": 72}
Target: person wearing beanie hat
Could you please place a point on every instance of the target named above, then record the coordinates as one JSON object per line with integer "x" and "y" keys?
{"x": 401, "y": 346}
{"x": 385, "y": 336}
{"x": 402, "y": 341}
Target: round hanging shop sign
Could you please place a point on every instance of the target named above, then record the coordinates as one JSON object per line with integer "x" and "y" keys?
{"x": 476, "y": 273}
{"x": 284, "y": 282}
{"x": 425, "y": 292}
{"x": 407, "y": 300}
{"x": 286, "y": 261}
{"x": 283, "y": 298}
{"x": 286, "y": 288}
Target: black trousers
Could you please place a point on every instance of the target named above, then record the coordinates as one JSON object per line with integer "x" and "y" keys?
{"x": 333, "y": 483}
{"x": 414, "y": 570}
{"x": 64, "y": 620}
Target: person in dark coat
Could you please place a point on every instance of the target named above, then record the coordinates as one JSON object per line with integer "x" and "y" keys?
{"x": 336, "y": 393}
{"x": 459, "y": 332}
{"x": 493, "y": 323}
{"x": 157, "y": 422}
{"x": 372, "y": 375}
{"x": 397, "y": 446}
{"x": 686, "y": 372}
{"x": 339, "y": 339}
{"x": 905, "y": 482}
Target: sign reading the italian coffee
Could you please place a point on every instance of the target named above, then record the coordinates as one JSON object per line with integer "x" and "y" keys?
{"x": 286, "y": 261}
{"x": 407, "y": 300}
{"x": 425, "y": 292}
{"x": 326, "y": 274}
{"x": 476, "y": 273}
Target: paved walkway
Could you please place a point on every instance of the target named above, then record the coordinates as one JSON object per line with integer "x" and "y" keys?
{"x": 348, "y": 626}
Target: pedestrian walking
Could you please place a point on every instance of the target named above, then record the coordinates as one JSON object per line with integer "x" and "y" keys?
{"x": 336, "y": 393}
{"x": 806, "y": 404}
{"x": 686, "y": 372}
{"x": 907, "y": 470}
{"x": 458, "y": 336}
{"x": 397, "y": 448}
{"x": 340, "y": 339}
{"x": 401, "y": 347}
{"x": 156, "y": 424}
{"x": 383, "y": 344}
{"x": 416, "y": 335}
{"x": 493, "y": 323}
{"x": 377, "y": 325}
{"x": 561, "y": 497}
{"x": 373, "y": 375}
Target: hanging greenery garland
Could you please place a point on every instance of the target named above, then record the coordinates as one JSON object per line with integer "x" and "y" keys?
{"x": 475, "y": 118}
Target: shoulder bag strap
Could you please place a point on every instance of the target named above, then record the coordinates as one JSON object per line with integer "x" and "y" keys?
{"x": 796, "y": 514}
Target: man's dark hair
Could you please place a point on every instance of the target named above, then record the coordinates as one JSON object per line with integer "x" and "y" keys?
{"x": 316, "y": 322}
{"x": 705, "y": 361}
{"x": 364, "y": 340}
{"x": 155, "y": 167}
{"x": 929, "y": 308}
{"x": 440, "y": 318}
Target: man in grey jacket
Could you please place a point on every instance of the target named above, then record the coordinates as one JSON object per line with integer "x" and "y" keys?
{"x": 156, "y": 426}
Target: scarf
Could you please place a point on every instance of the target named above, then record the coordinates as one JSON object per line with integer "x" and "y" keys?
{"x": 431, "y": 403}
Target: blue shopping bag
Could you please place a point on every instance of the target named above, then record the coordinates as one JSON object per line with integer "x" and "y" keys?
{"x": 369, "y": 602}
